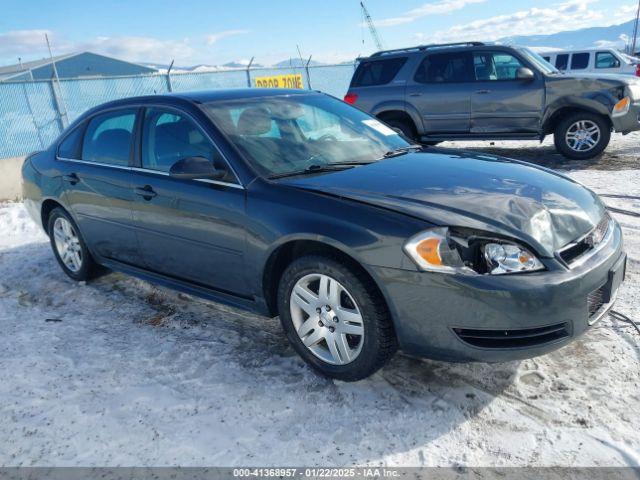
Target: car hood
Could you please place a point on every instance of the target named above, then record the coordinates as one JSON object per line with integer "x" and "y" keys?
{"x": 543, "y": 208}
{"x": 596, "y": 80}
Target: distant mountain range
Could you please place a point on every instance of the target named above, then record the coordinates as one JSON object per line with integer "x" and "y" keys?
{"x": 615, "y": 36}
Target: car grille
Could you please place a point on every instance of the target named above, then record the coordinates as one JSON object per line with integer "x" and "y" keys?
{"x": 595, "y": 301}
{"x": 575, "y": 250}
{"x": 529, "y": 337}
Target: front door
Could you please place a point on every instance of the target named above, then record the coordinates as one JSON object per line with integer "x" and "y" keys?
{"x": 94, "y": 163}
{"x": 187, "y": 229}
{"x": 441, "y": 92}
{"x": 500, "y": 102}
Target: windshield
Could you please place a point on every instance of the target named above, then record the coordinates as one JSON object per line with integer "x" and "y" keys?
{"x": 293, "y": 133}
{"x": 538, "y": 61}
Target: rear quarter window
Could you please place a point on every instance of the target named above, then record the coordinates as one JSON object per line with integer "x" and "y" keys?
{"x": 377, "y": 72}
{"x": 71, "y": 145}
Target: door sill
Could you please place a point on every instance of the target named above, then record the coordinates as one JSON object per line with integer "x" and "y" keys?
{"x": 480, "y": 136}
{"x": 197, "y": 290}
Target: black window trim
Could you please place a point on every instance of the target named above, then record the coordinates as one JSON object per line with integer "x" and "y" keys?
{"x": 135, "y": 156}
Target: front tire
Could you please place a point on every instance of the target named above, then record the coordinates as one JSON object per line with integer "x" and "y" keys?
{"x": 69, "y": 247}
{"x": 582, "y": 135}
{"x": 335, "y": 318}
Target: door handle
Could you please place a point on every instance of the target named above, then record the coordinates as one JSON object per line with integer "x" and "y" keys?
{"x": 415, "y": 94}
{"x": 483, "y": 92}
{"x": 145, "y": 192}
{"x": 72, "y": 178}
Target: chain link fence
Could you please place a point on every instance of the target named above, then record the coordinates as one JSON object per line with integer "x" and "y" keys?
{"x": 34, "y": 113}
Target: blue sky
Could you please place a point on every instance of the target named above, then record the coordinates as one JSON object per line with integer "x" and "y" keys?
{"x": 215, "y": 32}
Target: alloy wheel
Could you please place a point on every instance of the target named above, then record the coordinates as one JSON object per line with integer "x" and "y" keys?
{"x": 583, "y": 135}
{"x": 67, "y": 244}
{"x": 327, "y": 319}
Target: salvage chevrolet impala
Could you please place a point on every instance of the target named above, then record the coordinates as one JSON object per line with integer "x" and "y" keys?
{"x": 295, "y": 204}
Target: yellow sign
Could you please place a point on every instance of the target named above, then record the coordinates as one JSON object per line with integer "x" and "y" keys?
{"x": 280, "y": 81}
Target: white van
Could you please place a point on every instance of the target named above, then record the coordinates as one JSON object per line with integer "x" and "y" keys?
{"x": 600, "y": 60}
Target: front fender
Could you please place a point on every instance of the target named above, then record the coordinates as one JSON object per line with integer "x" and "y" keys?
{"x": 281, "y": 214}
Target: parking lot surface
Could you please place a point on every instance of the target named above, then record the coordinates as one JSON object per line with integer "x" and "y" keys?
{"x": 120, "y": 372}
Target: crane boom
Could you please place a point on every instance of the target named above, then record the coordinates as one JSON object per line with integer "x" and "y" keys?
{"x": 372, "y": 27}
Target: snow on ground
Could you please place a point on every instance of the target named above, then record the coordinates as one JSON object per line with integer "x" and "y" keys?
{"x": 119, "y": 372}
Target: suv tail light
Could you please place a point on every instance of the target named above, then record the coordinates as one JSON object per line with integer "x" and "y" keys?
{"x": 638, "y": 70}
{"x": 350, "y": 98}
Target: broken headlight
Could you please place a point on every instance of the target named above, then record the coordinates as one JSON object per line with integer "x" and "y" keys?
{"x": 469, "y": 253}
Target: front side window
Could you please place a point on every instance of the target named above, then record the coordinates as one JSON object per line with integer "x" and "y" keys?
{"x": 377, "y": 72}
{"x": 562, "y": 61}
{"x": 168, "y": 136}
{"x": 445, "y": 68}
{"x": 606, "y": 60}
{"x": 579, "y": 61}
{"x": 490, "y": 66}
{"x": 314, "y": 131}
{"x": 108, "y": 138}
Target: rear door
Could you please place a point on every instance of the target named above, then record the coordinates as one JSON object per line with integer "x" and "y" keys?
{"x": 500, "y": 102}
{"x": 94, "y": 160}
{"x": 440, "y": 91}
{"x": 187, "y": 229}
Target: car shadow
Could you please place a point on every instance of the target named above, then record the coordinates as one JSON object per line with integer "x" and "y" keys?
{"x": 239, "y": 366}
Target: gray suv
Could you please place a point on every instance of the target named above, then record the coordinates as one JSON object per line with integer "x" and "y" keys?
{"x": 477, "y": 91}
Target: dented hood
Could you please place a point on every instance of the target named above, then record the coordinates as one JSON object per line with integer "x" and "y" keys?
{"x": 542, "y": 208}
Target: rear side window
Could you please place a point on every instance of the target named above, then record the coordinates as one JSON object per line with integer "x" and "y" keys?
{"x": 562, "y": 61}
{"x": 445, "y": 68}
{"x": 108, "y": 138}
{"x": 579, "y": 61}
{"x": 71, "y": 146}
{"x": 606, "y": 60}
{"x": 377, "y": 72}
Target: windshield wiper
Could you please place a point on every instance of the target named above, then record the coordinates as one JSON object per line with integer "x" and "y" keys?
{"x": 329, "y": 167}
{"x": 402, "y": 151}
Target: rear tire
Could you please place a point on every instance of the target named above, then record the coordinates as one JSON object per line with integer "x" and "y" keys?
{"x": 582, "y": 135}
{"x": 69, "y": 247}
{"x": 356, "y": 306}
{"x": 403, "y": 127}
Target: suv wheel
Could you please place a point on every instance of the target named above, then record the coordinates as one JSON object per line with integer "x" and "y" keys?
{"x": 334, "y": 318}
{"x": 582, "y": 136}
{"x": 404, "y": 127}
{"x": 69, "y": 247}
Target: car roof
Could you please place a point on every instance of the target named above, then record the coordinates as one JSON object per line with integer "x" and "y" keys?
{"x": 205, "y": 96}
{"x": 435, "y": 48}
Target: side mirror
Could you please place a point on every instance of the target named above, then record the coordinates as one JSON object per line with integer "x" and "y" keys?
{"x": 526, "y": 74}
{"x": 193, "y": 168}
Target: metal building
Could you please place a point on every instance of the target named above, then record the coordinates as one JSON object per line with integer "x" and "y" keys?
{"x": 73, "y": 65}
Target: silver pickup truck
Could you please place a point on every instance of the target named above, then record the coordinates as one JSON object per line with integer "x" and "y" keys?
{"x": 477, "y": 91}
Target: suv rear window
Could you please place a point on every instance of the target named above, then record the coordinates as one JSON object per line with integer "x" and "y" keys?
{"x": 377, "y": 72}
{"x": 445, "y": 68}
{"x": 579, "y": 61}
{"x": 562, "y": 61}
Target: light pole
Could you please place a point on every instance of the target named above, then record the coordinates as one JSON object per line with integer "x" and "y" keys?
{"x": 635, "y": 32}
